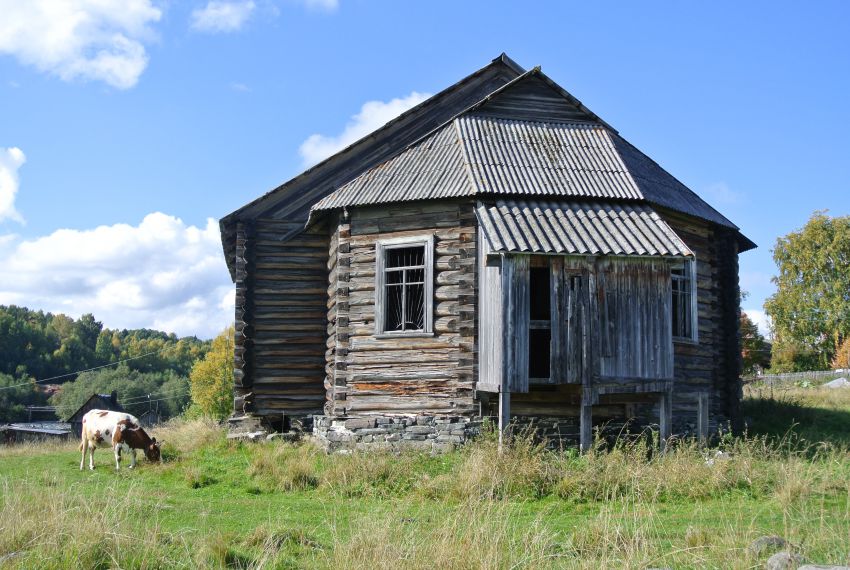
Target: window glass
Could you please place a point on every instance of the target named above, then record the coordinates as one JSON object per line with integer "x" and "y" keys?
{"x": 404, "y": 288}
{"x": 683, "y": 301}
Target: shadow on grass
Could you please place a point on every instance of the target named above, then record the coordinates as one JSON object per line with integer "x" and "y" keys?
{"x": 781, "y": 414}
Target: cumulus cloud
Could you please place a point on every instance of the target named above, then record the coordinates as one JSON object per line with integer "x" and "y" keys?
{"x": 11, "y": 159}
{"x": 161, "y": 274}
{"x": 372, "y": 115}
{"x": 218, "y": 16}
{"x": 99, "y": 40}
{"x": 761, "y": 319}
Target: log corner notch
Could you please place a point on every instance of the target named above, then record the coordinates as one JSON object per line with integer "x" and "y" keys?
{"x": 243, "y": 396}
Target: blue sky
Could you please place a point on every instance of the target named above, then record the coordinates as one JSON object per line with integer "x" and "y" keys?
{"x": 128, "y": 127}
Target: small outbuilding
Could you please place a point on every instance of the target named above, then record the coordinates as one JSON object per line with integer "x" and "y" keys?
{"x": 34, "y": 432}
{"x": 96, "y": 402}
{"x": 498, "y": 251}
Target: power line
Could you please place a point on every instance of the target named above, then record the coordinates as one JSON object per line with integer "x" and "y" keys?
{"x": 81, "y": 371}
{"x": 158, "y": 400}
{"x": 142, "y": 399}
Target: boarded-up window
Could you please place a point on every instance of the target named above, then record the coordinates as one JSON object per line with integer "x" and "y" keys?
{"x": 403, "y": 287}
{"x": 683, "y": 302}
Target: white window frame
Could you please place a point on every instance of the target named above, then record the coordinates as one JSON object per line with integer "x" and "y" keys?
{"x": 690, "y": 265}
{"x": 381, "y": 246}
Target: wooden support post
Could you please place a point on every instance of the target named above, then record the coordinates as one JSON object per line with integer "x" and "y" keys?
{"x": 586, "y": 421}
{"x": 665, "y": 420}
{"x": 702, "y": 417}
{"x": 504, "y": 415}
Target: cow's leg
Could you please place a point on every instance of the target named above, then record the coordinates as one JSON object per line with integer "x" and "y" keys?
{"x": 83, "y": 446}
{"x": 117, "y": 456}
{"x": 132, "y": 458}
{"x": 91, "y": 456}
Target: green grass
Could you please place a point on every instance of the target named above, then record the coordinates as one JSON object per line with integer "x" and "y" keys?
{"x": 218, "y": 504}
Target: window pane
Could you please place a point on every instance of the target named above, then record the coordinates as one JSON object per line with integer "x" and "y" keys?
{"x": 682, "y": 300}
{"x": 539, "y": 345}
{"x": 539, "y": 293}
{"x": 416, "y": 275}
{"x": 405, "y": 256}
{"x": 392, "y": 308}
{"x": 414, "y": 309}
{"x": 393, "y": 277}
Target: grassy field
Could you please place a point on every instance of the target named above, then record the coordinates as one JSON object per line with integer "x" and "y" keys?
{"x": 215, "y": 504}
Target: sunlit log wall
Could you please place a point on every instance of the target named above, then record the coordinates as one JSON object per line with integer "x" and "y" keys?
{"x": 414, "y": 375}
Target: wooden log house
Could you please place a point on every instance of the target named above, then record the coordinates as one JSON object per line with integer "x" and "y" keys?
{"x": 496, "y": 251}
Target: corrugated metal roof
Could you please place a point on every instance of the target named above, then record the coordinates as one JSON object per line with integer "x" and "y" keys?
{"x": 484, "y": 155}
{"x": 578, "y": 228}
{"x": 433, "y": 168}
{"x": 553, "y": 159}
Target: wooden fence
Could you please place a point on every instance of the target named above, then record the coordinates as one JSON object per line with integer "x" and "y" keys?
{"x": 817, "y": 376}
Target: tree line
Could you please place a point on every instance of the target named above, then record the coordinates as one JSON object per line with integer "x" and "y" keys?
{"x": 38, "y": 348}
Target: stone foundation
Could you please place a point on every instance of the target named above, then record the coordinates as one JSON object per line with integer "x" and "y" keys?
{"x": 394, "y": 433}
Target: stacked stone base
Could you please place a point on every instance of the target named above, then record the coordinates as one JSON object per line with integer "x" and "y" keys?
{"x": 395, "y": 433}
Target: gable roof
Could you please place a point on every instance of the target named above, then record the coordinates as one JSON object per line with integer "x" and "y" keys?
{"x": 102, "y": 401}
{"x": 481, "y": 137}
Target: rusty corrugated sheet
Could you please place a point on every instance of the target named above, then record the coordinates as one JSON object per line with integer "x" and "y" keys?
{"x": 577, "y": 228}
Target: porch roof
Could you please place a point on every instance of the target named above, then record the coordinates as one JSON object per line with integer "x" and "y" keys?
{"x": 578, "y": 228}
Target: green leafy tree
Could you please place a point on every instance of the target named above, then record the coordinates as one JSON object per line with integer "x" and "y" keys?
{"x": 211, "y": 378}
{"x": 137, "y": 391}
{"x": 14, "y": 397}
{"x": 811, "y": 307}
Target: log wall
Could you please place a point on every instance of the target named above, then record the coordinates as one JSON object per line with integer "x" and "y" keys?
{"x": 417, "y": 375}
{"x": 282, "y": 330}
{"x": 711, "y": 366}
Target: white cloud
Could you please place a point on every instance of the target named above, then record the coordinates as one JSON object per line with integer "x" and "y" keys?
{"x": 218, "y": 16}
{"x": 720, "y": 193}
{"x": 372, "y": 115}
{"x": 326, "y": 5}
{"x": 80, "y": 39}
{"x": 761, "y": 319}
{"x": 240, "y": 87}
{"x": 11, "y": 159}
{"x": 160, "y": 274}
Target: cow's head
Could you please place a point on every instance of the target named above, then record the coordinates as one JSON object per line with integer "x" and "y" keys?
{"x": 152, "y": 450}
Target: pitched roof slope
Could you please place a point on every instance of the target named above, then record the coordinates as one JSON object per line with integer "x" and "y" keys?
{"x": 292, "y": 200}
{"x": 488, "y": 155}
{"x": 578, "y": 228}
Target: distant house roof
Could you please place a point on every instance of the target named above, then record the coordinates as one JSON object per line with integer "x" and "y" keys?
{"x": 97, "y": 401}
{"x": 578, "y": 228}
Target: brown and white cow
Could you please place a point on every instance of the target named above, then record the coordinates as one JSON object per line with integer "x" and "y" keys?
{"x": 121, "y": 432}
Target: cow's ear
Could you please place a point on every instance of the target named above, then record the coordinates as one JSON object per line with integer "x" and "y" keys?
{"x": 153, "y": 439}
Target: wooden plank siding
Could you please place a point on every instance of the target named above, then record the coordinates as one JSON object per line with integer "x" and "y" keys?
{"x": 404, "y": 375}
{"x": 288, "y": 292}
